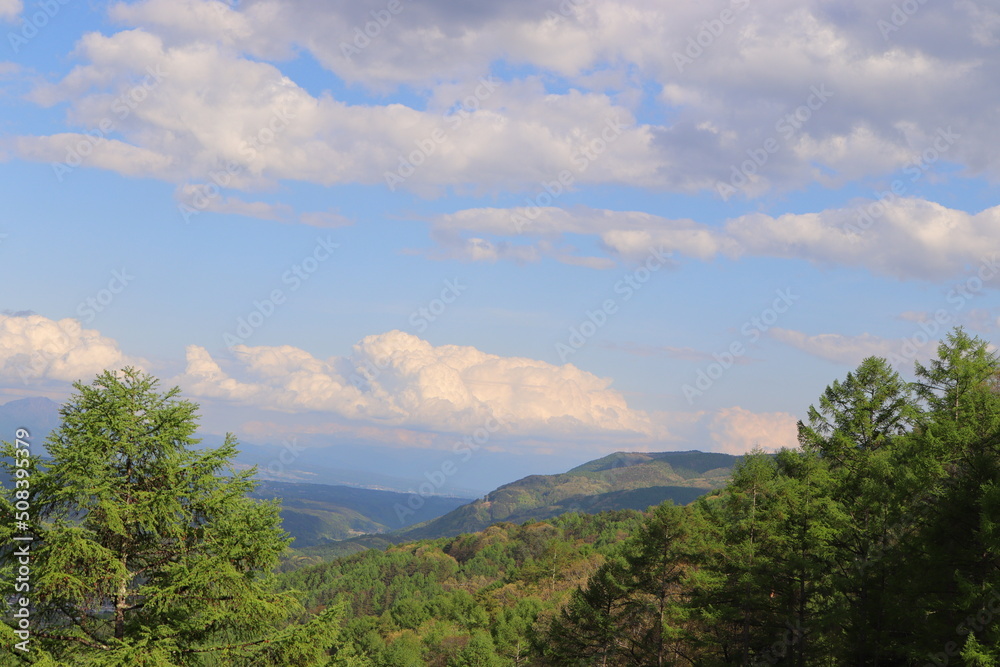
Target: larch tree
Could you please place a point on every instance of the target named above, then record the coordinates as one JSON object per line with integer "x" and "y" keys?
{"x": 959, "y": 562}
{"x": 859, "y": 428}
{"x": 147, "y": 551}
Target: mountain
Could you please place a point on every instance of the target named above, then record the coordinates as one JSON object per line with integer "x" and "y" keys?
{"x": 315, "y": 514}
{"x": 38, "y": 415}
{"x": 624, "y": 480}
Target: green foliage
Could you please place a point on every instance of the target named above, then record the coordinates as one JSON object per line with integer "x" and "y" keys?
{"x": 975, "y": 654}
{"x": 466, "y": 600}
{"x": 877, "y": 543}
{"x": 147, "y": 551}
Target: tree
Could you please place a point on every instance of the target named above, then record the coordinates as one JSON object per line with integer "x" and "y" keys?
{"x": 861, "y": 414}
{"x": 741, "y": 591}
{"x": 959, "y": 520}
{"x": 632, "y": 609}
{"x": 587, "y": 629}
{"x": 860, "y": 430}
{"x": 147, "y": 551}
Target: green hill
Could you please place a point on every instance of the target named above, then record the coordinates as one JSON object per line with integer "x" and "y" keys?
{"x": 624, "y": 480}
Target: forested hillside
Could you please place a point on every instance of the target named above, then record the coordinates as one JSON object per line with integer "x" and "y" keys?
{"x": 624, "y": 480}
{"x": 875, "y": 543}
{"x": 477, "y": 599}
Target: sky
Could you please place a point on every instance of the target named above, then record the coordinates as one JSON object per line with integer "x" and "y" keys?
{"x": 508, "y": 237}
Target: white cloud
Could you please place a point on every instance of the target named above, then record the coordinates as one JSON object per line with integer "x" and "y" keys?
{"x": 733, "y": 430}
{"x": 906, "y": 238}
{"x": 737, "y": 430}
{"x": 10, "y": 9}
{"x": 903, "y": 238}
{"x": 397, "y": 379}
{"x": 196, "y": 201}
{"x": 69, "y": 150}
{"x": 325, "y": 219}
{"x": 838, "y": 348}
{"x": 395, "y": 388}
{"x": 889, "y": 95}
{"x": 34, "y": 348}
{"x": 201, "y": 114}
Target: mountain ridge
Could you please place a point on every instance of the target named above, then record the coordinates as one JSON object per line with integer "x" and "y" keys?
{"x": 623, "y": 480}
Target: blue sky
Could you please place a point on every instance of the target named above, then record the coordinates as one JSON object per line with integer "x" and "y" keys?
{"x": 556, "y": 219}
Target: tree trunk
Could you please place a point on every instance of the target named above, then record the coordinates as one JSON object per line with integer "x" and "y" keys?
{"x": 121, "y": 603}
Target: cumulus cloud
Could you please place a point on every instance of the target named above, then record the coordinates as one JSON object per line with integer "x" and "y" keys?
{"x": 34, "y": 348}
{"x": 397, "y": 379}
{"x": 736, "y": 430}
{"x": 733, "y": 430}
{"x": 395, "y": 388}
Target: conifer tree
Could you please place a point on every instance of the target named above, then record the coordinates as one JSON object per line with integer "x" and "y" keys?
{"x": 859, "y": 429}
{"x": 959, "y": 554}
{"x": 147, "y": 551}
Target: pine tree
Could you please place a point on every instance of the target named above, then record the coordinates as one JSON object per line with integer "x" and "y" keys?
{"x": 147, "y": 551}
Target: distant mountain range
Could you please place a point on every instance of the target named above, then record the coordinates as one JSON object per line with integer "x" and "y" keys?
{"x": 623, "y": 480}
{"x": 318, "y": 513}
{"x": 38, "y": 415}
{"x": 340, "y": 509}
{"x": 41, "y": 415}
